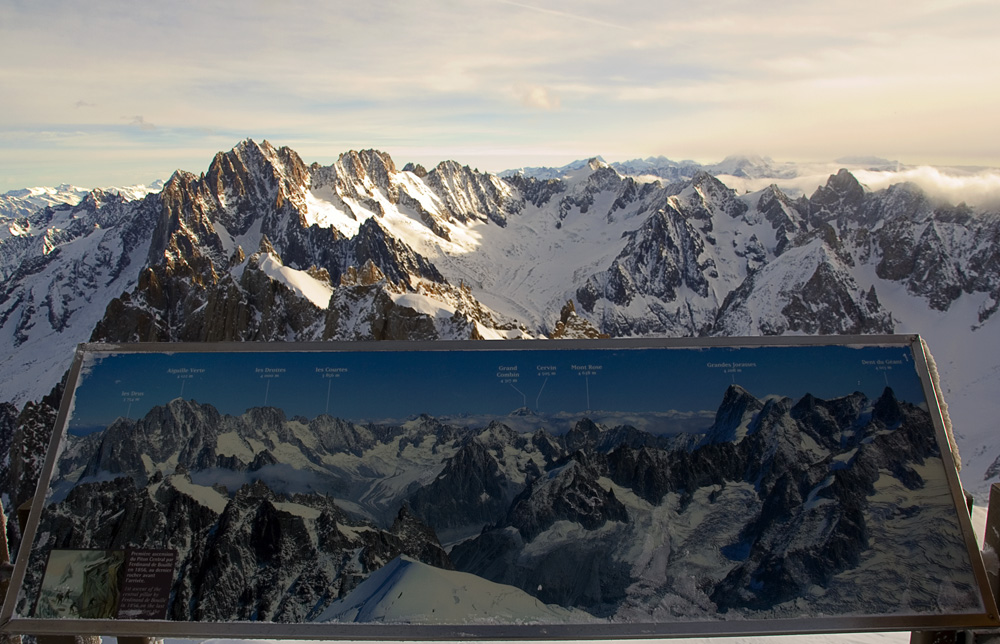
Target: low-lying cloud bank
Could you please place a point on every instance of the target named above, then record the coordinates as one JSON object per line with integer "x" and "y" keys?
{"x": 978, "y": 187}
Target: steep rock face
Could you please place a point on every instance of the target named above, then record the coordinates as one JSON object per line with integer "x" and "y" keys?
{"x": 536, "y": 191}
{"x": 580, "y": 573}
{"x": 783, "y": 214}
{"x": 468, "y": 194}
{"x": 252, "y": 175}
{"x": 31, "y": 433}
{"x": 369, "y": 312}
{"x": 567, "y": 493}
{"x": 255, "y": 547}
{"x": 8, "y": 424}
{"x": 393, "y": 257}
{"x": 681, "y": 260}
{"x": 182, "y": 428}
{"x": 813, "y": 522}
{"x": 572, "y": 326}
{"x": 418, "y": 540}
{"x": 925, "y": 253}
{"x": 704, "y": 195}
{"x": 652, "y": 472}
{"x": 174, "y": 301}
{"x": 733, "y": 418}
{"x": 808, "y": 290}
{"x": 252, "y": 190}
{"x": 469, "y": 493}
{"x": 841, "y": 200}
{"x": 360, "y": 172}
{"x": 659, "y": 260}
{"x": 832, "y": 423}
{"x": 28, "y": 433}
{"x": 584, "y": 435}
{"x": 601, "y": 194}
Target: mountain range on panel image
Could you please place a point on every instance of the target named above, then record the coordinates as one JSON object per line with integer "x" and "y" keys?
{"x": 263, "y": 246}
{"x": 779, "y": 508}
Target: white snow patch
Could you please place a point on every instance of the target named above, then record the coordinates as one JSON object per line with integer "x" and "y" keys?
{"x": 409, "y": 592}
{"x": 204, "y": 495}
{"x": 232, "y": 444}
{"x": 321, "y": 211}
{"x": 297, "y": 509}
{"x": 314, "y": 290}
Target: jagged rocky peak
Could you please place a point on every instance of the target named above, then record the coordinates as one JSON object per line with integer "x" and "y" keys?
{"x": 571, "y": 325}
{"x": 705, "y": 194}
{"x": 185, "y": 218}
{"x": 735, "y": 413}
{"x": 252, "y": 175}
{"x": 585, "y": 434}
{"x": 416, "y": 169}
{"x": 568, "y": 492}
{"x": 888, "y": 409}
{"x": 783, "y": 213}
{"x": 265, "y": 419}
{"x": 251, "y": 184}
{"x": 469, "y": 194}
{"x": 98, "y": 198}
{"x": 812, "y": 290}
{"x": 367, "y": 167}
{"x": 830, "y": 303}
{"x": 419, "y": 540}
{"x": 906, "y": 201}
{"x": 842, "y": 198}
{"x": 368, "y": 275}
{"x": 832, "y": 423}
{"x": 266, "y": 246}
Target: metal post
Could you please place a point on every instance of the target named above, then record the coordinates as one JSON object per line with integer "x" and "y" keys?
{"x": 6, "y": 569}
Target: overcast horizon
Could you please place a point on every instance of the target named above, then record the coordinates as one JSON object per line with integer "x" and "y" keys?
{"x": 109, "y": 93}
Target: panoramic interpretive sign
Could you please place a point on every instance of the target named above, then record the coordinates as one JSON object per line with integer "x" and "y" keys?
{"x": 565, "y": 489}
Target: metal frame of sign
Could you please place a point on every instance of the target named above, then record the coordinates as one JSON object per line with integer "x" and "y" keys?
{"x": 435, "y": 354}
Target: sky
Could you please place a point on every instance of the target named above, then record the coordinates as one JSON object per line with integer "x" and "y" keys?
{"x": 379, "y": 385}
{"x": 109, "y": 92}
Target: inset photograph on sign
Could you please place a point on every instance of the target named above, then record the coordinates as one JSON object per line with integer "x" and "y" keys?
{"x": 643, "y": 485}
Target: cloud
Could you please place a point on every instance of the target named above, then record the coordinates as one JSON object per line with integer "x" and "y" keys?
{"x": 536, "y": 97}
{"x": 793, "y": 80}
{"x": 565, "y": 15}
{"x": 951, "y": 185}
{"x": 139, "y": 122}
{"x": 976, "y": 187}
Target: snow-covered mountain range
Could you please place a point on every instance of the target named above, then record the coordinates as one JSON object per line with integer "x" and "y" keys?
{"x": 262, "y": 246}
{"x": 301, "y": 520}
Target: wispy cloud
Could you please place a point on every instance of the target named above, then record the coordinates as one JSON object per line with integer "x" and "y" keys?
{"x": 571, "y": 16}
{"x": 139, "y": 122}
{"x": 979, "y": 187}
{"x": 537, "y": 97}
{"x": 954, "y": 186}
